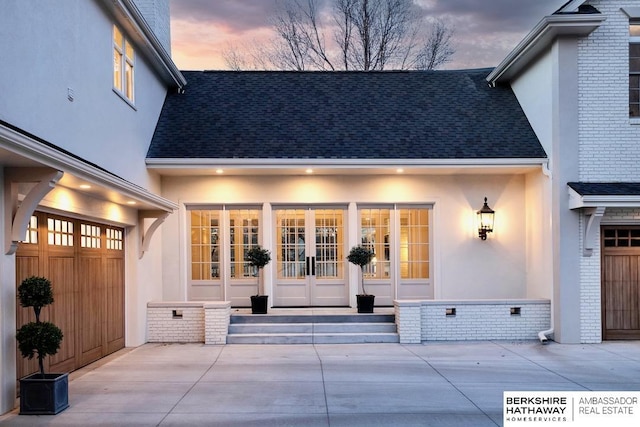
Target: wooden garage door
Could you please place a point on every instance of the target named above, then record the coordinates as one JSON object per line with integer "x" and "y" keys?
{"x": 621, "y": 283}
{"x": 85, "y": 263}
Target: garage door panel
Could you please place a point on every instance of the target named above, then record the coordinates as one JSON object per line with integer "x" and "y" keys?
{"x": 91, "y": 309}
{"x": 115, "y": 303}
{"x": 62, "y": 311}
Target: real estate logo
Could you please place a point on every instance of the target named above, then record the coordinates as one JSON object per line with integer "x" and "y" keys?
{"x": 577, "y": 408}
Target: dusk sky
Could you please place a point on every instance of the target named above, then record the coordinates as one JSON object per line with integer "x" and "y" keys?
{"x": 485, "y": 30}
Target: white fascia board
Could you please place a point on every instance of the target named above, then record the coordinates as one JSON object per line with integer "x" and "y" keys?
{"x": 540, "y": 38}
{"x": 162, "y": 163}
{"x": 126, "y": 12}
{"x": 29, "y": 148}
{"x": 578, "y": 201}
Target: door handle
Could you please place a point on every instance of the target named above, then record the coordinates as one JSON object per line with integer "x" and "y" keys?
{"x": 313, "y": 266}
{"x": 306, "y": 273}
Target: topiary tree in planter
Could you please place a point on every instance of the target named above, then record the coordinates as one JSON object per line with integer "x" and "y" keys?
{"x": 362, "y": 256}
{"x": 40, "y": 393}
{"x": 258, "y": 257}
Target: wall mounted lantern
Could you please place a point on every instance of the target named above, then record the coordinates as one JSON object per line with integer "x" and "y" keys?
{"x": 485, "y": 220}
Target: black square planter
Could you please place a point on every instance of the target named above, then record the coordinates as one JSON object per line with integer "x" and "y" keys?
{"x": 365, "y": 303}
{"x": 46, "y": 395}
{"x": 259, "y": 304}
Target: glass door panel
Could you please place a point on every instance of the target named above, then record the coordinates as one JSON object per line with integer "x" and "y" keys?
{"x": 310, "y": 258}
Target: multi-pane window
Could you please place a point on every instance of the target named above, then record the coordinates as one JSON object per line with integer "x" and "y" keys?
{"x": 634, "y": 69}
{"x": 329, "y": 259}
{"x": 114, "y": 239}
{"x": 243, "y": 234}
{"x": 291, "y": 234}
{"x": 414, "y": 243}
{"x": 31, "y": 235}
{"x": 123, "y": 62}
{"x": 60, "y": 232}
{"x": 376, "y": 232}
{"x": 89, "y": 236}
{"x": 209, "y": 248}
{"x": 621, "y": 237}
{"x": 205, "y": 244}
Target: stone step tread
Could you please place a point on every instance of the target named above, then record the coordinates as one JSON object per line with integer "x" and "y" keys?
{"x": 312, "y": 338}
{"x": 267, "y": 318}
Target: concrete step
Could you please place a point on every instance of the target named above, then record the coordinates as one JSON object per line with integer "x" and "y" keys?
{"x": 312, "y": 338}
{"x": 312, "y": 328}
{"x": 312, "y": 318}
{"x": 307, "y": 328}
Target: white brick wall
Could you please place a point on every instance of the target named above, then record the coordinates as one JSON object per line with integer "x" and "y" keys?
{"x": 408, "y": 321}
{"x": 473, "y": 320}
{"x": 180, "y": 321}
{"x": 156, "y": 13}
{"x": 609, "y": 148}
{"x": 217, "y": 317}
{"x": 163, "y": 326}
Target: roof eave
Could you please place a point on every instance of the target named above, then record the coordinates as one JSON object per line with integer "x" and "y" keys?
{"x": 127, "y": 14}
{"x": 579, "y": 201}
{"x": 540, "y": 38}
{"x": 27, "y": 147}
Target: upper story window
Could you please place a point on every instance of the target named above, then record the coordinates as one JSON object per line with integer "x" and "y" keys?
{"x": 634, "y": 69}
{"x": 123, "y": 61}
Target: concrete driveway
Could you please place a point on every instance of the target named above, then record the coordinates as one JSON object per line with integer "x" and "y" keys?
{"x": 434, "y": 384}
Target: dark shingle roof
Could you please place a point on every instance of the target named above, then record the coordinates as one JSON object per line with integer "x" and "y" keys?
{"x": 606, "y": 188}
{"x": 343, "y": 115}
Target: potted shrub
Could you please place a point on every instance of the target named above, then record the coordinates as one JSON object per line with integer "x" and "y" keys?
{"x": 361, "y": 256}
{"x": 40, "y": 393}
{"x": 258, "y": 257}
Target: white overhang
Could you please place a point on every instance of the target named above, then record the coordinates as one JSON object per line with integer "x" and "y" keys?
{"x": 580, "y": 201}
{"x": 540, "y": 38}
{"x": 128, "y": 16}
{"x": 20, "y": 149}
{"x": 276, "y": 166}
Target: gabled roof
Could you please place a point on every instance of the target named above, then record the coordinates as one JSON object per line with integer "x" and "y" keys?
{"x": 343, "y": 115}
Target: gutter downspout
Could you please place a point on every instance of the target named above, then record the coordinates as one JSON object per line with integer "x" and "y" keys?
{"x": 543, "y": 336}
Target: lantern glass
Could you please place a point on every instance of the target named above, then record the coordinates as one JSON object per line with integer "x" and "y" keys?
{"x": 486, "y": 217}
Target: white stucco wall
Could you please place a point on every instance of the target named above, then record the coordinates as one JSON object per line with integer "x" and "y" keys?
{"x": 72, "y": 49}
{"x": 464, "y": 266}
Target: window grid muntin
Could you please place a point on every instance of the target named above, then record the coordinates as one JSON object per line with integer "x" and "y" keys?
{"x": 414, "y": 243}
{"x": 90, "y": 236}
{"x": 59, "y": 232}
{"x": 31, "y": 235}
{"x": 243, "y": 234}
{"x": 123, "y": 64}
{"x": 291, "y": 235}
{"x": 205, "y": 244}
{"x": 114, "y": 238}
{"x": 634, "y": 68}
{"x": 376, "y": 236}
{"x": 624, "y": 237}
{"x": 329, "y": 231}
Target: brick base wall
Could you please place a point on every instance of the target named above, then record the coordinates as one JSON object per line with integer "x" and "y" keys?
{"x": 182, "y": 322}
{"x": 471, "y": 320}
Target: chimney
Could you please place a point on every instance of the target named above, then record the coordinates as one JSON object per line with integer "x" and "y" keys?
{"x": 156, "y": 13}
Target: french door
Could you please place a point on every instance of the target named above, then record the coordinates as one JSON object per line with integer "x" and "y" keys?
{"x": 310, "y": 258}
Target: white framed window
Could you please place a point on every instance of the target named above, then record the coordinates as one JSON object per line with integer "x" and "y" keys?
{"x": 634, "y": 69}
{"x": 211, "y": 254}
{"x": 123, "y": 65}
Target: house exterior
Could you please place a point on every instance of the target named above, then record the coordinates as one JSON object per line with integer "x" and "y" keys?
{"x": 137, "y": 188}
{"x": 80, "y": 99}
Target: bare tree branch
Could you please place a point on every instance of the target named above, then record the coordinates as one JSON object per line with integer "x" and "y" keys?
{"x": 367, "y": 35}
